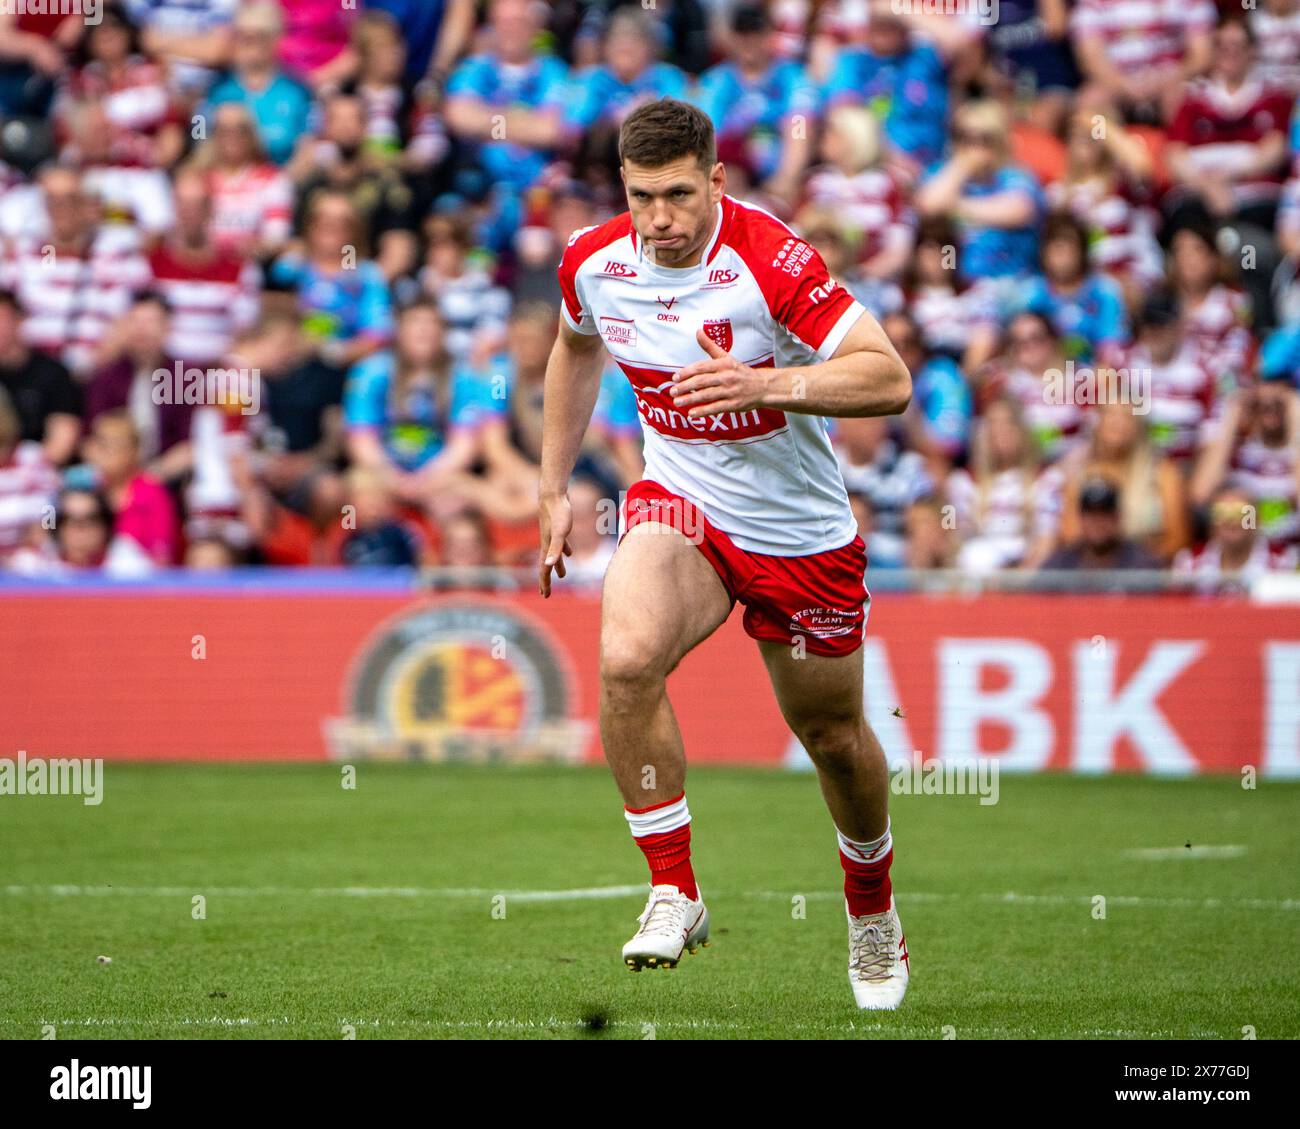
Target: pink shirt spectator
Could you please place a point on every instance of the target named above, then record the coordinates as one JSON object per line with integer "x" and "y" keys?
{"x": 316, "y": 32}
{"x": 148, "y": 517}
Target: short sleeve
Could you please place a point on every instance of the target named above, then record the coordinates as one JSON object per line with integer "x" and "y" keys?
{"x": 805, "y": 300}
{"x": 576, "y": 313}
{"x": 365, "y": 396}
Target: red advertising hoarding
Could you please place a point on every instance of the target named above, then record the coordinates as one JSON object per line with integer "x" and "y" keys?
{"x": 1168, "y": 684}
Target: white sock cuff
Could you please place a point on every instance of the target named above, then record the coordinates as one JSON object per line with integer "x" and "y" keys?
{"x": 659, "y": 819}
{"x": 873, "y": 851}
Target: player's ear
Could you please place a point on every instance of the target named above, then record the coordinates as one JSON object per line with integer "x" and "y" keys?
{"x": 718, "y": 181}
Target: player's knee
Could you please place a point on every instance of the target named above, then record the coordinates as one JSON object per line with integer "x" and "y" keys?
{"x": 835, "y": 744}
{"x": 629, "y": 666}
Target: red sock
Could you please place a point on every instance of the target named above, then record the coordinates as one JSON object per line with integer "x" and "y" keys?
{"x": 663, "y": 832}
{"x": 867, "y": 887}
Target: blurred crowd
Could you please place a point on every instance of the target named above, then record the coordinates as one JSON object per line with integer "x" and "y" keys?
{"x": 278, "y": 277}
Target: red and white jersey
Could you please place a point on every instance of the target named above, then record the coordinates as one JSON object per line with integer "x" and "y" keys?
{"x": 71, "y": 298}
{"x": 1219, "y": 327}
{"x": 1142, "y": 34}
{"x": 869, "y": 202}
{"x": 1187, "y": 399}
{"x": 767, "y": 479}
{"x": 251, "y": 205}
{"x": 28, "y": 484}
{"x": 212, "y": 299}
{"x": 1277, "y": 48}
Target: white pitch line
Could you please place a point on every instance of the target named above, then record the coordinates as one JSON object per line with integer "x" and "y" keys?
{"x": 1177, "y": 854}
{"x": 1010, "y": 898}
{"x": 643, "y": 1026}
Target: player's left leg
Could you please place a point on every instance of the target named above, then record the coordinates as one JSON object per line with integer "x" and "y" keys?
{"x": 821, "y": 699}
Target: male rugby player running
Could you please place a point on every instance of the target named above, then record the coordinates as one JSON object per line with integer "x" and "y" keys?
{"x": 742, "y": 501}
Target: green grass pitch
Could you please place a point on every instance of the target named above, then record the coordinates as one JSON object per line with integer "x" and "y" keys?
{"x": 374, "y": 912}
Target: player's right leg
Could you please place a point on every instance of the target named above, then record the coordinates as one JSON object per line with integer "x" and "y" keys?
{"x": 661, "y": 599}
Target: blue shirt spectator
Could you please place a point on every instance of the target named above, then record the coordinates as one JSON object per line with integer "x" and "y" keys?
{"x": 908, "y": 91}
{"x": 282, "y": 110}
{"x": 1088, "y": 318}
{"x": 415, "y": 430}
{"x": 340, "y": 305}
{"x": 751, "y": 114}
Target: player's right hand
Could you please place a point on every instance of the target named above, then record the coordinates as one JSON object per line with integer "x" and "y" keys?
{"x": 557, "y": 520}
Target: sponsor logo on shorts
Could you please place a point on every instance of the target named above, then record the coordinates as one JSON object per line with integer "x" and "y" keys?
{"x": 825, "y": 623}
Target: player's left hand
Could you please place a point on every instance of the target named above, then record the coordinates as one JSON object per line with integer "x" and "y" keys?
{"x": 719, "y": 384}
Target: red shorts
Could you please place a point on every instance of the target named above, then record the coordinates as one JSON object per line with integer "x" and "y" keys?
{"x": 821, "y": 599}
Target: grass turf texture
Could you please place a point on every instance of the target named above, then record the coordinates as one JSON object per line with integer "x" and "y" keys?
{"x": 283, "y": 952}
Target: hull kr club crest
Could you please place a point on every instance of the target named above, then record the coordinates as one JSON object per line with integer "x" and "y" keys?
{"x": 719, "y": 332}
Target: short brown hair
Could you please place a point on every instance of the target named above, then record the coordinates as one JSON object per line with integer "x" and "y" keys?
{"x": 661, "y": 132}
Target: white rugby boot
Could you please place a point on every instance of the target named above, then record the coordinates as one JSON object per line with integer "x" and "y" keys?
{"x": 878, "y": 964}
{"x": 670, "y": 922}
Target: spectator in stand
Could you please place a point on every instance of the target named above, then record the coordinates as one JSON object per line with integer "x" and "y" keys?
{"x": 436, "y": 33}
{"x": 467, "y": 546}
{"x": 1276, "y": 28}
{"x": 342, "y": 296}
{"x": 252, "y": 200}
{"x": 413, "y": 417}
{"x": 316, "y": 47}
{"x": 77, "y": 542}
{"x": 76, "y": 280}
{"x": 903, "y": 80}
{"x": 146, "y": 531}
{"x": 764, "y": 108}
{"x": 281, "y": 106}
{"x": 300, "y": 426}
{"x": 889, "y": 477}
{"x": 1107, "y": 187}
{"x": 130, "y": 382}
{"x": 682, "y": 29}
{"x": 1086, "y": 307}
{"x": 1227, "y": 147}
{"x": 1101, "y": 543}
{"x": 1005, "y": 509}
{"x": 377, "y": 191}
{"x": 1216, "y": 315}
{"x": 400, "y": 130}
{"x": 997, "y": 205}
{"x": 380, "y": 537}
{"x": 192, "y": 39}
{"x": 938, "y": 420}
{"x": 593, "y": 537}
{"x": 133, "y": 198}
{"x": 840, "y": 247}
{"x": 1256, "y": 449}
{"x": 39, "y": 389}
{"x": 1033, "y": 372}
{"x": 109, "y": 70}
{"x": 1140, "y": 55}
{"x": 28, "y": 484}
{"x": 458, "y": 276}
{"x": 956, "y": 320}
{"x": 508, "y": 106}
{"x": 855, "y": 184}
{"x": 539, "y": 246}
{"x": 213, "y": 294}
{"x": 629, "y": 74}
{"x": 1028, "y": 50}
{"x": 1236, "y": 553}
{"x": 1186, "y": 399}
{"x": 33, "y": 55}
{"x": 1152, "y": 494}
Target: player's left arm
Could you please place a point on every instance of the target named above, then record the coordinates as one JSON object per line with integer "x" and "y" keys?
{"x": 864, "y": 377}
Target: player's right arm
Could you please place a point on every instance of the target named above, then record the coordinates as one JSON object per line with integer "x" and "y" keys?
{"x": 572, "y": 385}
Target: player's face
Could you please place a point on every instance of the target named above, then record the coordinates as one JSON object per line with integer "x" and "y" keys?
{"x": 674, "y": 208}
